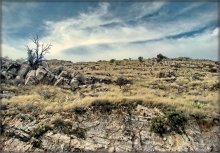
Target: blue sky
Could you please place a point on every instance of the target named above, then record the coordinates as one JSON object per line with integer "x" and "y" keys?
{"x": 83, "y": 31}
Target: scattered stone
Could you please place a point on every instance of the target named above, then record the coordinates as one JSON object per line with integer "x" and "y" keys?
{"x": 63, "y": 74}
{"x": 31, "y": 78}
{"x": 40, "y": 73}
{"x": 74, "y": 83}
{"x": 23, "y": 70}
{"x": 14, "y": 144}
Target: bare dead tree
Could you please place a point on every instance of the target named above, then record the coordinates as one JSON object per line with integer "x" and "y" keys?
{"x": 36, "y": 55}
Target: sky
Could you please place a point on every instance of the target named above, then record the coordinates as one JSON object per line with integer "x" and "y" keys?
{"x": 92, "y": 31}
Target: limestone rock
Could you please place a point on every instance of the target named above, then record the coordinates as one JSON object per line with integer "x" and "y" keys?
{"x": 59, "y": 81}
{"x": 56, "y": 142}
{"x": 74, "y": 83}
{"x": 31, "y": 78}
{"x": 14, "y": 144}
{"x": 40, "y": 73}
{"x": 23, "y": 70}
{"x": 63, "y": 74}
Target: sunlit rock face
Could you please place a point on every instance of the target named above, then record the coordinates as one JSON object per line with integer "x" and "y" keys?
{"x": 118, "y": 130}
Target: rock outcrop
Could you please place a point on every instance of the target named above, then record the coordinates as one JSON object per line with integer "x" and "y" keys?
{"x": 20, "y": 73}
{"x": 115, "y": 130}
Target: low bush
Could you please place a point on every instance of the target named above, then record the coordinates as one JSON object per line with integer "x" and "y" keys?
{"x": 162, "y": 74}
{"x": 160, "y": 57}
{"x": 112, "y": 61}
{"x": 158, "y": 125}
{"x": 198, "y": 104}
{"x": 58, "y": 123}
{"x": 176, "y": 120}
{"x": 216, "y": 86}
{"x": 79, "y": 133}
{"x": 140, "y": 59}
{"x": 103, "y": 105}
{"x": 196, "y": 77}
{"x": 40, "y": 130}
{"x": 46, "y": 94}
{"x": 79, "y": 110}
{"x": 122, "y": 81}
{"x": 62, "y": 126}
{"x": 172, "y": 121}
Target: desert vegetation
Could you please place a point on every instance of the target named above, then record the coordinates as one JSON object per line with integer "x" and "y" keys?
{"x": 182, "y": 84}
{"x": 36, "y": 55}
{"x": 60, "y": 94}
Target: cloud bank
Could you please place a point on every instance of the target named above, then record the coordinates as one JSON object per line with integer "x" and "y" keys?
{"x": 107, "y": 31}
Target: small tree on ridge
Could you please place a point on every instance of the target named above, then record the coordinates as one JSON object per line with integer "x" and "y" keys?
{"x": 36, "y": 55}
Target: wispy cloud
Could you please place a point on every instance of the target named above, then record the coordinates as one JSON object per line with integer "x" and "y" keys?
{"x": 142, "y": 29}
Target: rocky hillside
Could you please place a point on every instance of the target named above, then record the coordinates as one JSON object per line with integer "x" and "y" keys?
{"x": 115, "y": 106}
{"x": 121, "y": 130}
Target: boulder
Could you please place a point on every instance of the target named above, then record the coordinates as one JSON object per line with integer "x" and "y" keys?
{"x": 49, "y": 78}
{"x": 19, "y": 80}
{"x": 59, "y": 81}
{"x": 16, "y": 144}
{"x": 73, "y": 75}
{"x": 63, "y": 74}
{"x": 18, "y": 133}
{"x": 57, "y": 70}
{"x": 40, "y": 73}
{"x": 31, "y": 78}
{"x": 12, "y": 69}
{"x": 13, "y": 65}
{"x": 74, "y": 83}
{"x": 35, "y": 76}
{"x": 23, "y": 71}
{"x": 56, "y": 142}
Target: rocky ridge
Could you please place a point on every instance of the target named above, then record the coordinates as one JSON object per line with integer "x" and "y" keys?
{"x": 20, "y": 73}
{"x": 118, "y": 130}
{"x": 97, "y": 128}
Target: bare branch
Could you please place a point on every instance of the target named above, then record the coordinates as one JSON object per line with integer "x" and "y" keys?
{"x": 36, "y": 55}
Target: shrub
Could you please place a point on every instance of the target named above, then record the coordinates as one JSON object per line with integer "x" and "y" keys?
{"x": 158, "y": 125}
{"x": 198, "y": 104}
{"x": 196, "y": 77}
{"x": 122, "y": 81}
{"x": 140, "y": 59}
{"x": 40, "y": 130}
{"x": 79, "y": 133}
{"x": 58, "y": 122}
{"x": 62, "y": 126}
{"x": 160, "y": 57}
{"x": 117, "y": 62}
{"x": 216, "y": 86}
{"x": 28, "y": 108}
{"x": 3, "y": 107}
{"x": 176, "y": 120}
{"x": 103, "y": 105}
{"x": 183, "y": 58}
{"x": 112, "y": 61}
{"x": 79, "y": 110}
{"x": 172, "y": 121}
{"x": 46, "y": 94}
{"x": 162, "y": 74}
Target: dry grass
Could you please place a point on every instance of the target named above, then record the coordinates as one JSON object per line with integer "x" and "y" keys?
{"x": 147, "y": 87}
